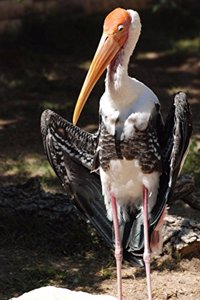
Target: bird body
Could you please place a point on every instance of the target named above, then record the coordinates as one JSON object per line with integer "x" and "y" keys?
{"x": 129, "y": 181}
{"x": 125, "y": 121}
{"x": 138, "y": 157}
{"x": 125, "y": 107}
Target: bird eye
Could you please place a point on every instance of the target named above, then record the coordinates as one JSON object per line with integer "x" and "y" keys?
{"x": 120, "y": 27}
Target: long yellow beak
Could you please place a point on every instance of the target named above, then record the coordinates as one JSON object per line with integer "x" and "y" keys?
{"x": 107, "y": 49}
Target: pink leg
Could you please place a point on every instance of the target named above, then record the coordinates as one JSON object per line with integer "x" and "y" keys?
{"x": 118, "y": 247}
{"x": 146, "y": 255}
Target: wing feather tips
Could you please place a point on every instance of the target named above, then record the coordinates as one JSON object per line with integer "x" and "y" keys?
{"x": 45, "y": 121}
{"x": 182, "y": 133}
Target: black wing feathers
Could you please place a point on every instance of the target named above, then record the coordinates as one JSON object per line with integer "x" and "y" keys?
{"x": 70, "y": 152}
{"x": 176, "y": 138}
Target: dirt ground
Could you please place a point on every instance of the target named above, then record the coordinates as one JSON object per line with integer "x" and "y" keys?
{"x": 39, "y": 70}
{"x": 179, "y": 281}
{"x": 37, "y": 252}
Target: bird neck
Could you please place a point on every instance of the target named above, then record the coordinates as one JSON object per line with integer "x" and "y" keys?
{"x": 117, "y": 82}
{"x": 117, "y": 79}
{"x": 118, "y": 85}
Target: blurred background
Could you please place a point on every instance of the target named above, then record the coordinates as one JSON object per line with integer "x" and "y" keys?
{"x": 45, "y": 51}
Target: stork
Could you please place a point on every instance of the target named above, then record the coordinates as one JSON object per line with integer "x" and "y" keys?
{"x": 134, "y": 157}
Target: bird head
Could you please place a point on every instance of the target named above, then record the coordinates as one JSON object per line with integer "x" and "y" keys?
{"x": 115, "y": 35}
